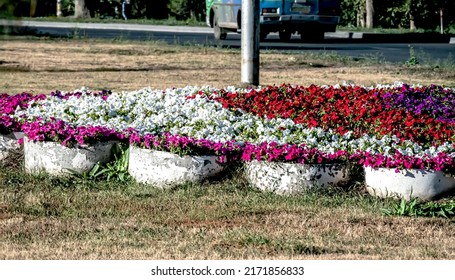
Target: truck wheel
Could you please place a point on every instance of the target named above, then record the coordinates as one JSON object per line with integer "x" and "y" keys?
{"x": 262, "y": 35}
{"x": 285, "y": 35}
{"x": 218, "y": 32}
{"x": 314, "y": 36}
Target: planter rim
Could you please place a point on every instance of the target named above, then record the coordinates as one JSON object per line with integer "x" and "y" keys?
{"x": 423, "y": 170}
{"x": 165, "y": 169}
{"x": 296, "y": 163}
{"x": 168, "y": 152}
{"x": 76, "y": 145}
{"x": 424, "y": 184}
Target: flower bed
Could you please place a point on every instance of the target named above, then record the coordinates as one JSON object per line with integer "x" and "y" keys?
{"x": 8, "y": 143}
{"x": 167, "y": 160}
{"x": 8, "y": 106}
{"x": 292, "y": 178}
{"x": 56, "y": 159}
{"x": 398, "y": 127}
{"x": 10, "y": 131}
{"x": 407, "y": 183}
{"x": 374, "y": 111}
{"x": 165, "y": 169}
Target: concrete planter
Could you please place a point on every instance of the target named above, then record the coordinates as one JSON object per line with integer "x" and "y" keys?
{"x": 290, "y": 178}
{"x": 9, "y": 142}
{"x": 55, "y": 159}
{"x": 164, "y": 169}
{"x": 407, "y": 184}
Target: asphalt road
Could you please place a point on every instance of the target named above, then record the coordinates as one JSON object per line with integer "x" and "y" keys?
{"x": 388, "y": 47}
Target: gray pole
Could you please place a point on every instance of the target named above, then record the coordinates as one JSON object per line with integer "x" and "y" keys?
{"x": 250, "y": 42}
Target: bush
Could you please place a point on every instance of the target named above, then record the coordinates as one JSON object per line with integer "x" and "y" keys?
{"x": 388, "y": 13}
{"x": 187, "y": 9}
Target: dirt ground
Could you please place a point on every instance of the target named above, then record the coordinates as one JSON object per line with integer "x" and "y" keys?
{"x": 50, "y": 218}
{"x": 43, "y": 66}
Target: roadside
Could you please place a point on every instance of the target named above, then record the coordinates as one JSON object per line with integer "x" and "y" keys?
{"x": 354, "y": 36}
{"x": 43, "y": 217}
{"x": 42, "y": 66}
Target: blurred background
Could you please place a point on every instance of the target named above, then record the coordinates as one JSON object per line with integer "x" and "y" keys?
{"x": 423, "y": 15}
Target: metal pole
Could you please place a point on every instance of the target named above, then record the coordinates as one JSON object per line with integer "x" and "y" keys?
{"x": 250, "y": 42}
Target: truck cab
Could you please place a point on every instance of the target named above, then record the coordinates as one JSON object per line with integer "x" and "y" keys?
{"x": 309, "y": 18}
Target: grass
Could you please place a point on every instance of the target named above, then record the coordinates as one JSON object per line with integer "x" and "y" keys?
{"x": 43, "y": 64}
{"x": 170, "y": 21}
{"x": 44, "y": 217}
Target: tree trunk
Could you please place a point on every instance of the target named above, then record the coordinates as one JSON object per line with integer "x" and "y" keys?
{"x": 441, "y": 17}
{"x": 412, "y": 14}
{"x": 361, "y": 16}
{"x": 80, "y": 10}
{"x": 59, "y": 8}
{"x": 412, "y": 24}
{"x": 32, "y": 8}
{"x": 370, "y": 13}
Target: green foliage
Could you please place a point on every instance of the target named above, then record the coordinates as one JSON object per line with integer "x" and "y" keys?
{"x": 67, "y": 7}
{"x": 397, "y": 13}
{"x": 403, "y": 208}
{"x": 187, "y": 9}
{"x": 116, "y": 170}
{"x": 6, "y": 8}
{"x": 349, "y": 11}
{"x": 412, "y": 61}
{"x": 416, "y": 208}
{"x": 388, "y": 13}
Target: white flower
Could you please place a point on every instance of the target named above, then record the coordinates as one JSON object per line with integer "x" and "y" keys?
{"x": 154, "y": 111}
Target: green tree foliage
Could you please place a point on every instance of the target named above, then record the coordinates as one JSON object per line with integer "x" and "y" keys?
{"x": 187, "y": 9}
{"x": 387, "y": 13}
{"x": 398, "y": 13}
{"x": 350, "y": 10}
{"x": 25, "y": 8}
{"x": 6, "y": 8}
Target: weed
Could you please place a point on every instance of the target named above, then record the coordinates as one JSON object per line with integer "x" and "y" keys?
{"x": 255, "y": 240}
{"x": 116, "y": 170}
{"x": 417, "y": 208}
{"x": 403, "y": 208}
{"x": 412, "y": 61}
{"x": 443, "y": 64}
{"x": 77, "y": 34}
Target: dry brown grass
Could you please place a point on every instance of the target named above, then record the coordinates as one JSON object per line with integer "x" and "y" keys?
{"x": 43, "y": 66}
{"x": 49, "y": 218}
{"x": 43, "y": 217}
{"x": 212, "y": 224}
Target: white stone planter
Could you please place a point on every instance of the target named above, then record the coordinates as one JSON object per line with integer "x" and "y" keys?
{"x": 290, "y": 178}
{"x": 407, "y": 184}
{"x": 164, "y": 169}
{"x": 9, "y": 142}
{"x": 55, "y": 159}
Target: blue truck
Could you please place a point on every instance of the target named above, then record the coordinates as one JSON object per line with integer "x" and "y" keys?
{"x": 309, "y": 18}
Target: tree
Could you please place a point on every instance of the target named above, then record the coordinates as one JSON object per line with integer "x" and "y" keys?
{"x": 80, "y": 9}
{"x": 411, "y": 5}
{"x": 32, "y": 8}
{"x": 369, "y": 8}
{"x": 187, "y": 9}
{"x": 59, "y": 9}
